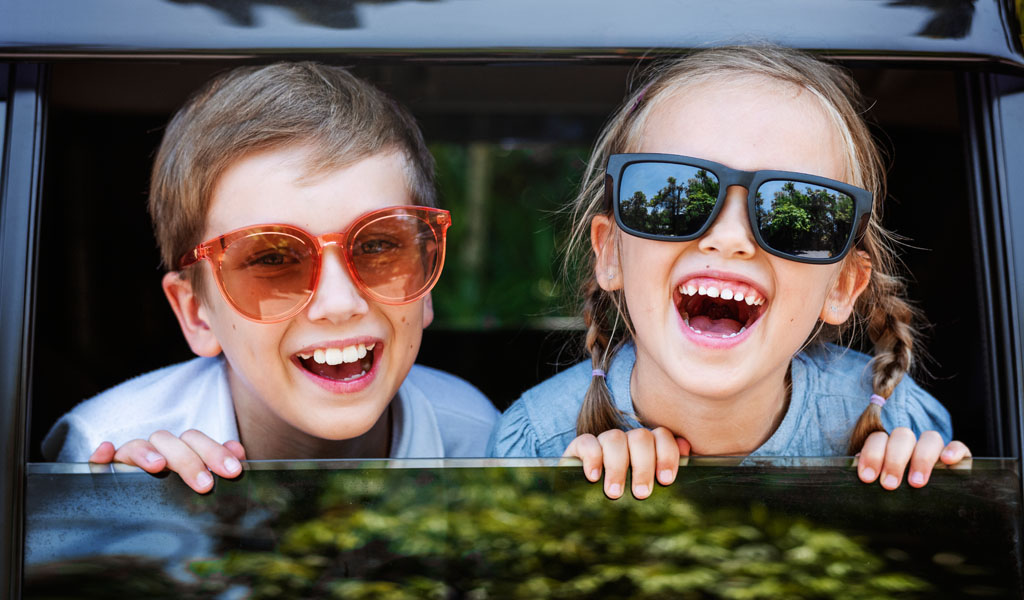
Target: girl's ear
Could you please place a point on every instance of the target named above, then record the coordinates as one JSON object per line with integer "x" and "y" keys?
{"x": 192, "y": 316}
{"x": 606, "y": 253}
{"x": 853, "y": 280}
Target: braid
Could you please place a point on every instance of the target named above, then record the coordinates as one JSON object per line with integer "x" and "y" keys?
{"x": 890, "y": 325}
{"x": 598, "y": 412}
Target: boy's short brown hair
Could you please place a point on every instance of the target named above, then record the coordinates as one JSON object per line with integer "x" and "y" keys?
{"x": 342, "y": 118}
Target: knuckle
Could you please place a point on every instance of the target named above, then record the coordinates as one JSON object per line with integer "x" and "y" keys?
{"x": 160, "y": 436}
{"x": 639, "y": 435}
{"x": 612, "y": 435}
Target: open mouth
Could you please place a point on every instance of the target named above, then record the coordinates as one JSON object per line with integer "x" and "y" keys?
{"x": 339, "y": 364}
{"x": 719, "y": 309}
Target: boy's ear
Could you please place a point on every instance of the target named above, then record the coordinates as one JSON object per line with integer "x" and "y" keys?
{"x": 853, "y": 280}
{"x": 428, "y": 310}
{"x": 606, "y": 253}
{"x": 191, "y": 315}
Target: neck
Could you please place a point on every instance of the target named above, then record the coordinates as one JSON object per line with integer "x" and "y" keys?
{"x": 266, "y": 436}
{"x": 733, "y": 425}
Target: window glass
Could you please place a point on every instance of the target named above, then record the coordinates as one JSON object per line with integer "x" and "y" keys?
{"x": 728, "y": 528}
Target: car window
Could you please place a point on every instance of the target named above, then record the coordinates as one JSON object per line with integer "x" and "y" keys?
{"x": 510, "y": 100}
{"x": 508, "y": 159}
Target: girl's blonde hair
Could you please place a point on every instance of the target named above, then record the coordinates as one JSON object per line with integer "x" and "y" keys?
{"x": 881, "y": 309}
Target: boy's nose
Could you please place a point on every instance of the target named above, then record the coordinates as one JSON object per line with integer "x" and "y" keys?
{"x": 730, "y": 234}
{"x": 336, "y": 297}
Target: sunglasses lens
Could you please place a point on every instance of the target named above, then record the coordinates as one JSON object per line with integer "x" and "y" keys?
{"x": 396, "y": 257}
{"x": 666, "y": 199}
{"x": 269, "y": 273}
{"x": 804, "y": 220}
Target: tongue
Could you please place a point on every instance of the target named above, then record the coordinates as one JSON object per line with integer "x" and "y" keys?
{"x": 715, "y": 326}
{"x": 342, "y": 371}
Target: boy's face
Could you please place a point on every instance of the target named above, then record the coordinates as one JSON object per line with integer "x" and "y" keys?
{"x": 272, "y": 377}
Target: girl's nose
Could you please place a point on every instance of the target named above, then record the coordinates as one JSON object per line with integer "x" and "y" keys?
{"x": 730, "y": 234}
{"x": 336, "y": 297}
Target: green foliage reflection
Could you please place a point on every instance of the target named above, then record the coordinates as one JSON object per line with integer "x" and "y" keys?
{"x": 675, "y": 209}
{"x": 814, "y": 222}
{"x": 516, "y": 533}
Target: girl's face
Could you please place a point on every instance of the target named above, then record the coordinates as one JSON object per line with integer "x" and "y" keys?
{"x": 750, "y": 123}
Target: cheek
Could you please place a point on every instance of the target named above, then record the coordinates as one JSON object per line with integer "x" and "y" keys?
{"x": 805, "y": 288}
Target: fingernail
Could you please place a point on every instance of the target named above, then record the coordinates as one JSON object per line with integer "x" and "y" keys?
{"x": 231, "y": 464}
{"x": 204, "y": 479}
{"x": 947, "y": 454}
{"x": 917, "y": 478}
{"x": 891, "y": 481}
{"x": 665, "y": 476}
{"x": 595, "y": 474}
{"x": 614, "y": 490}
{"x": 868, "y": 474}
{"x": 153, "y": 457}
{"x": 641, "y": 491}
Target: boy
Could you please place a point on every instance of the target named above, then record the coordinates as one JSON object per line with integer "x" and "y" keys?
{"x": 291, "y": 204}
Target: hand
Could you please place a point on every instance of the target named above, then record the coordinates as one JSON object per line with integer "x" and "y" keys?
{"x": 616, "y": 450}
{"x": 885, "y": 456}
{"x": 192, "y": 457}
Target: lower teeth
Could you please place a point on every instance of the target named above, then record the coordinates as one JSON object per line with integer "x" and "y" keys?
{"x": 353, "y": 377}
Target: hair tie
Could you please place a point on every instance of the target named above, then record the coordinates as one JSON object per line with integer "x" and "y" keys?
{"x": 639, "y": 99}
{"x": 877, "y": 400}
{"x": 597, "y": 373}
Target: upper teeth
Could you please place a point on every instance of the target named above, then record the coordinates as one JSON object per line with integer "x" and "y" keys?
{"x": 751, "y": 297}
{"x": 336, "y": 356}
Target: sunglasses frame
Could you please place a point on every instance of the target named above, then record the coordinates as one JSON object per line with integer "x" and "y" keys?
{"x": 214, "y": 249}
{"x": 751, "y": 180}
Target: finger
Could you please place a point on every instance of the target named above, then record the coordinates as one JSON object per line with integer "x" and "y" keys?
{"x": 667, "y": 452}
{"x": 218, "y": 459}
{"x": 954, "y": 452}
{"x": 926, "y": 453}
{"x": 142, "y": 454}
{"x": 587, "y": 449}
{"x": 897, "y": 455}
{"x": 183, "y": 460}
{"x": 235, "y": 448}
{"x": 684, "y": 451}
{"x": 103, "y": 454}
{"x": 615, "y": 449}
{"x": 871, "y": 456}
{"x": 642, "y": 460}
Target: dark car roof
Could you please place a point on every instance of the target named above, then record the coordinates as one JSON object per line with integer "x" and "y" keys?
{"x": 959, "y": 30}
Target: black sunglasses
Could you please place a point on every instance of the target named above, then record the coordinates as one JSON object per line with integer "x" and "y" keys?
{"x": 796, "y": 216}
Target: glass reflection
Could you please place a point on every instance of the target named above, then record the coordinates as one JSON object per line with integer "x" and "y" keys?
{"x": 728, "y": 528}
{"x": 803, "y": 219}
{"x": 666, "y": 199}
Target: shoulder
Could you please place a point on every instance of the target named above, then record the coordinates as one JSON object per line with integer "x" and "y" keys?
{"x": 176, "y": 397}
{"x": 451, "y": 395}
{"x": 464, "y": 415}
{"x": 542, "y": 421}
{"x": 840, "y": 379}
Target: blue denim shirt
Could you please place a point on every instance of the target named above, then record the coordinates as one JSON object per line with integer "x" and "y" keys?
{"x": 831, "y": 388}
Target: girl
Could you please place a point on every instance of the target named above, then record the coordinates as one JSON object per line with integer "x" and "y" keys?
{"x": 732, "y": 208}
